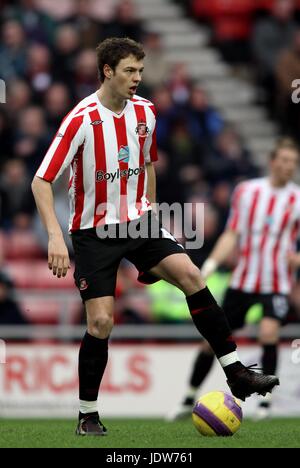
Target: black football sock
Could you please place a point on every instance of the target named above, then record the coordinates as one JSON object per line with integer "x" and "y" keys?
{"x": 93, "y": 355}
{"x": 269, "y": 359}
{"x": 211, "y": 322}
{"x": 269, "y": 364}
{"x": 202, "y": 366}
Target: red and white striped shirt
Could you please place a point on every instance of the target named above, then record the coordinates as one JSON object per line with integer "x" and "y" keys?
{"x": 107, "y": 153}
{"x": 267, "y": 221}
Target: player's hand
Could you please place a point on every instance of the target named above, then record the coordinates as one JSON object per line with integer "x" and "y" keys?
{"x": 58, "y": 256}
{"x": 293, "y": 260}
{"x": 208, "y": 268}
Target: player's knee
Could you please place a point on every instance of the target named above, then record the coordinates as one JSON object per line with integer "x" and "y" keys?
{"x": 269, "y": 331}
{"x": 190, "y": 280}
{"x": 100, "y": 325}
{"x": 268, "y": 337}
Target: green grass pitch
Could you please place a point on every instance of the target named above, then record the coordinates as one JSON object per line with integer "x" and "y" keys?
{"x": 146, "y": 433}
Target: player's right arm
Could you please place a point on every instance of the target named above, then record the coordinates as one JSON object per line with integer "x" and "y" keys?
{"x": 58, "y": 256}
{"x": 230, "y": 237}
{"x": 59, "y": 156}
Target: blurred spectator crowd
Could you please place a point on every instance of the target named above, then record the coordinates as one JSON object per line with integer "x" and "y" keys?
{"x": 47, "y": 61}
{"x": 263, "y": 36}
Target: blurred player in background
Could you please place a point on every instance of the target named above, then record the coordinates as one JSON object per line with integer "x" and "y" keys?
{"x": 109, "y": 141}
{"x": 264, "y": 225}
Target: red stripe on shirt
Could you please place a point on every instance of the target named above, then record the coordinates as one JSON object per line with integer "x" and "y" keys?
{"x": 153, "y": 148}
{"x": 62, "y": 149}
{"x": 153, "y": 109}
{"x": 295, "y": 231}
{"x": 100, "y": 165}
{"x": 139, "y": 100}
{"x": 63, "y": 120}
{"x": 235, "y": 213}
{"x": 77, "y": 167}
{"x": 89, "y": 105}
{"x": 65, "y": 117}
{"x": 247, "y": 250}
{"x": 283, "y": 225}
{"x": 140, "y": 117}
{"x": 120, "y": 126}
{"x": 263, "y": 240}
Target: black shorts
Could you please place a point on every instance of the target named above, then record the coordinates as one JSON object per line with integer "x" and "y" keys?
{"x": 97, "y": 259}
{"x": 237, "y": 303}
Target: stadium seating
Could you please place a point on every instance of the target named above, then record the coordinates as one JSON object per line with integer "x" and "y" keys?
{"x": 268, "y": 4}
{"x": 21, "y": 245}
{"x": 44, "y": 298}
{"x": 50, "y": 311}
{"x": 35, "y": 275}
{"x": 231, "y": 19}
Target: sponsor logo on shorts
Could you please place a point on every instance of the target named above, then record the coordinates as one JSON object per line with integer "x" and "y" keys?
{"x": 280, "y": 306}
{"x": 83, "y": 284}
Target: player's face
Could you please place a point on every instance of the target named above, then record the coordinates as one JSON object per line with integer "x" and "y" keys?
{"x": 127, "y": 76}
{"x": 284, "y": 165}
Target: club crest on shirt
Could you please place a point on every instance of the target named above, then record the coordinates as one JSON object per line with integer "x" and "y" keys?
{"x": 142, "y": 130}
{"x": 123, "y": 155}
{"x": 83, "y": 284}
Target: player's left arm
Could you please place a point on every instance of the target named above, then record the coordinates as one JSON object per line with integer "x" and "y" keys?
{"x": 151, "y": 183}
{"x": 293, "y": 257}
{"x": 293, "y": 260}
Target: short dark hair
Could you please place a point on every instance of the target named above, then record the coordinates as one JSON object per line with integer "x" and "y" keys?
{"x": 284, "y": 143}
{"x": 114, "y": 49}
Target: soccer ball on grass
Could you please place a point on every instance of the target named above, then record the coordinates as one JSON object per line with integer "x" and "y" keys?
{"x": 217, "y": 414}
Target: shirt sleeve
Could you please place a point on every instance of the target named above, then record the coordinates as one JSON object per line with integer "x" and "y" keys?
{"x": 150, "y": 147}
{"x": 63, "y": 148}
{"x": 234, "y": 218}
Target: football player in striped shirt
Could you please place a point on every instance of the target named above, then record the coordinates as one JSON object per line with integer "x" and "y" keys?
{"x": 108, "y": 141}
{"x": 264, "y": 225}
